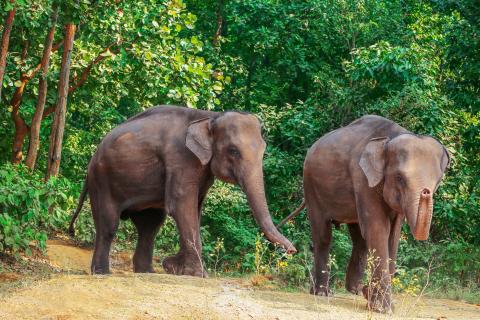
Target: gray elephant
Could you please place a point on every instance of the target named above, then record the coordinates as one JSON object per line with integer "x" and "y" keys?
{"x": 371, "y": 175}
{"x": 163, "y": 161}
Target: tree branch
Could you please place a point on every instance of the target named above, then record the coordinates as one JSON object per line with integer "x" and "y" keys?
{"x": 79, "y": 81}
{"x": 86, "y": 72}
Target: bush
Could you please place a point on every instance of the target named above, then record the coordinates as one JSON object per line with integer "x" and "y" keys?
{"x": 30, "y": 208}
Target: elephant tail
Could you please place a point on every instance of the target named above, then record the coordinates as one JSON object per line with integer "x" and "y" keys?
{"x": 292, "y": 215}
{"x": 71, "y": 229}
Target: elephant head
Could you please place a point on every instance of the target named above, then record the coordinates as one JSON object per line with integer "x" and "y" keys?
{"x": 411, "y": 167}
{"x": 232, "y": 145}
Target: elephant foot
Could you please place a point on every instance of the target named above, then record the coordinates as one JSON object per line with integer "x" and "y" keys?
{"x": 378, "y": 301}
{"x": 142, "y": 264}
{"x": 355, "y": 289}
{"x": 100, "y": 270}
{"x": 142, "y": 269}
{"x": 184, "y": 265}
{"x": 321, "y": 291}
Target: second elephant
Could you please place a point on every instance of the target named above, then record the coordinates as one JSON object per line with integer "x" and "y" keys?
{"x": 372, "y": 175}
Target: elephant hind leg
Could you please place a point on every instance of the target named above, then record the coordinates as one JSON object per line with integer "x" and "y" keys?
{"x": 358, "y": 260}
{"x": 147, "y": 222}
{"x": 106, "y": 219}
{"x": 321, "y": 237}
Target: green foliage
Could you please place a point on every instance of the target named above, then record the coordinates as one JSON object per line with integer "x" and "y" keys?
{"x": 29, "y": 208}
{"x": 384, "y": 66}
{"x": 445, "y": 264}
{"x": 226, "y": 216}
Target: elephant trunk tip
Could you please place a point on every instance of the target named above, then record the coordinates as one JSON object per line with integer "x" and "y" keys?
{"x": 292, "y": 250}
{"x": 289, "y": 248}
{"x": 277, "y": 238}
{"x": 424, "y": 216}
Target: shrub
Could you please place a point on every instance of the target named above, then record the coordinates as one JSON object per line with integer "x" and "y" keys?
{"x": 30, "y": 208}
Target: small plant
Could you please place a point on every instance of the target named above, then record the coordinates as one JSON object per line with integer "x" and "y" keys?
{"x": 215, "y": 257}
{"x": 260, "y": 250}
{"x": 294, "y": 274}
{"x": 378, "y": 291}
{"x": 407, "y": 283}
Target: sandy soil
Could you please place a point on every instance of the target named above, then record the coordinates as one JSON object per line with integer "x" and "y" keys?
{"x": 125, "y": 295}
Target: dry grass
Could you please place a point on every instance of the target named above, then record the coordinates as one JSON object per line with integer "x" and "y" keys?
{"x": 125, "y": 295}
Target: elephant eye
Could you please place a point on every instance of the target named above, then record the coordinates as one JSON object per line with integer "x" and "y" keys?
{"x": 400, "y": 179}
{"x": 234, "y": 152}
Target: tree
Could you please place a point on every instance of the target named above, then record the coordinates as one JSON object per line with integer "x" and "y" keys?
{"x": 58, "y": 125}
{"x": 7, "y": 28}
{"x": 42, "y": 93}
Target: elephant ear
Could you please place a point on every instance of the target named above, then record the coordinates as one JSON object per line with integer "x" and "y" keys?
{"x": 199, "y": 139}
{"x": 446, "y": 158}
{"x": 372, "y": 160}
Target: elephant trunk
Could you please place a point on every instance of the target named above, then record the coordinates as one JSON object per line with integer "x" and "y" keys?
{"x": 253, "y": 187}
{"x": 420, "y": 220}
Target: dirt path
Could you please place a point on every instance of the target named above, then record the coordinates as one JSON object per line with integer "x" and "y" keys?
{"x": 125, "y": 295}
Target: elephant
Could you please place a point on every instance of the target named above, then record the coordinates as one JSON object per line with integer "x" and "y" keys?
{"x": 162, "y": 162}
{"x": 371, "y": 175}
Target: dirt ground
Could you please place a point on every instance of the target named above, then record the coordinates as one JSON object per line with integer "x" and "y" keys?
{"x": 73, "y": 294}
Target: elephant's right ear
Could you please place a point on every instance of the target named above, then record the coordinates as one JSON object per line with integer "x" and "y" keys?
{"x": 372, "y": 160}
{"x": 199, "y": 139}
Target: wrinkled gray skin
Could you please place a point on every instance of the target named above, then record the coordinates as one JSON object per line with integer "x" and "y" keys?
{"x": 372, "y": 174}
{"x": 163, "y": 161}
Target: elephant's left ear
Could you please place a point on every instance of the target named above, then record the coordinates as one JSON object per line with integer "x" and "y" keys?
{"x": 372, "y": 160}
{"x": 446, "y": 158}
{"x": 199, "y": 139}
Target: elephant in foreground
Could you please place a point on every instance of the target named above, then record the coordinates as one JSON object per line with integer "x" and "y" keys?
{"x": 163, "y": 161}
{"x": 372, "y": 175}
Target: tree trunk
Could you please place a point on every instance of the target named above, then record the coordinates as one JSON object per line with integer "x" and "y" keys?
{"x": 42, "y": 93}
{"x": 7, "y": 28}
{"x": 21, "y": 128}
{"x": 58, "y": 125}
{"x": 218, "y": 32}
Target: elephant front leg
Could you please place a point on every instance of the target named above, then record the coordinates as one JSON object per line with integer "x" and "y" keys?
{"x": 378, "y": 290}
{"x": 188, "y": 261}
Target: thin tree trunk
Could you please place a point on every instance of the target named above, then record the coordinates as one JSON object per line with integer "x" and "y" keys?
{"x": 7, "y": 28}
{"x": 218, "y": 32}
{"x": 58, "y": 125}
{"x": 42, "y": 93}
{"x": 21, "y": 128}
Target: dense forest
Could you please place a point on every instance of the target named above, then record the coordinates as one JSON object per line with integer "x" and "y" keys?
{"x": 72, "y": 70}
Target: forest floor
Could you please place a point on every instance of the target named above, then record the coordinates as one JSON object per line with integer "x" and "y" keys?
{"x": 59, "y": 288}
